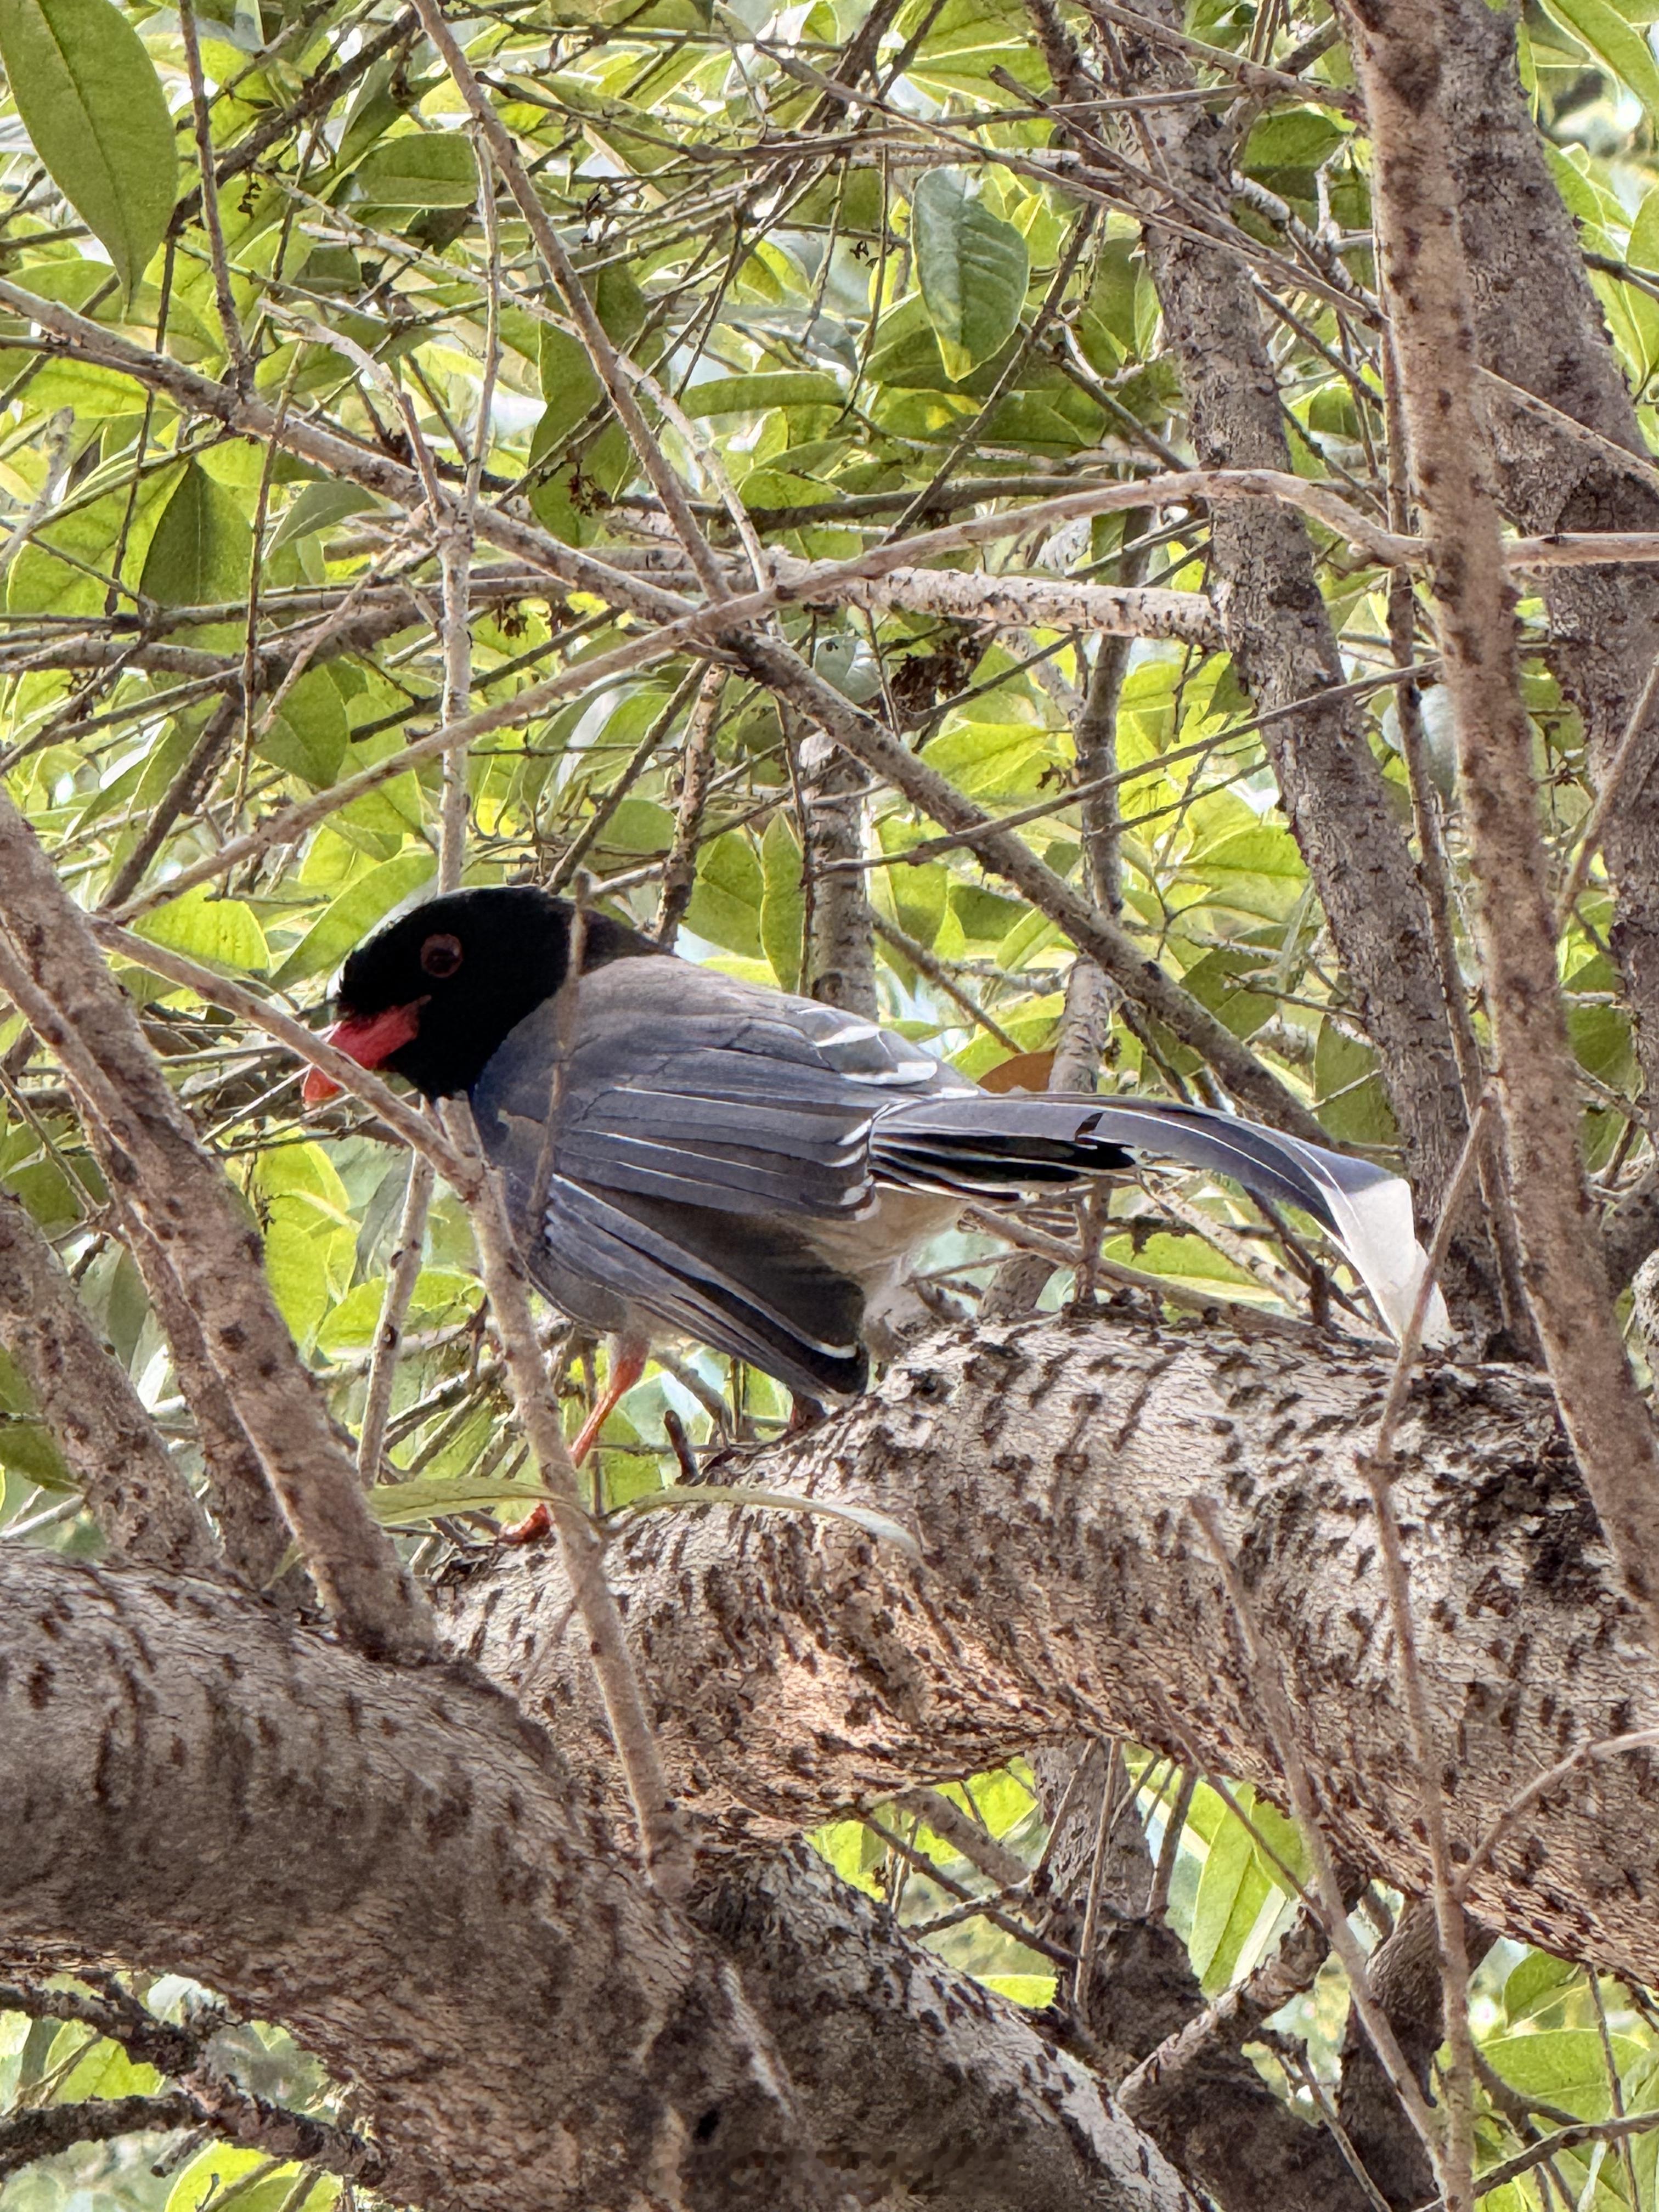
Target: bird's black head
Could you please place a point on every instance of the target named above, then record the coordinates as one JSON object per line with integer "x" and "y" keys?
{"x": 433, "y": 995}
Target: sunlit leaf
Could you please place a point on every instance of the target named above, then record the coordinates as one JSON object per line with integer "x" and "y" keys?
{"x": 972, "y": 266}
{"x": 202, "y": 548}
{"x": 95, "y": 109}
{"x": 350, "y": 917}
{"x": 224, "y": 933}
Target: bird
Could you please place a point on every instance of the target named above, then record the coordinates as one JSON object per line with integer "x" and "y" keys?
{"x": 687, "y": 1154}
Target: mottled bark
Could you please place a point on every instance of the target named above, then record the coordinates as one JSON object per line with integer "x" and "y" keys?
{"x": 385, "y": 1861}
{"x": 919, "y": 2082}
{"x": 840, "y": 951}
{"x": 51, "y": 968}
{"x": 1045, "y": 1468}
{"x": 1137, "y": 1994}
{"x": 1405, "y": 1974}
{"x": 1397, "y": 58}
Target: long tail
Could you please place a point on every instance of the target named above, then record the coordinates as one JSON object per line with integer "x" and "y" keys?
{"x": 976, "y": 1143}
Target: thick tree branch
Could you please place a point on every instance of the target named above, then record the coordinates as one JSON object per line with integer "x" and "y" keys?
{"x": 385, "y": 1860}
{"x": 921, "y": 2083}
{"x": 52, "y": 965}
{"x": 1397, "y": 54}
{"x": 1045, "y": 1470}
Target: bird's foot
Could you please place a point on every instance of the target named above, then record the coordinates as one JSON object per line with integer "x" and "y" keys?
{"x": 531, "y": 1530}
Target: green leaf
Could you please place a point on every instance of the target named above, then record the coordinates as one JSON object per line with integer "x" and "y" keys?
{"x": 920, "y": 894}
{"x": 638, "y": 825}
{"x": 350, "y": 918}
{"x": 1566, "y": 2065}
{"x": 1231, "y": 1892}
{"x": 1624, "y": 52}
{"x": 305, "y": 1172}
{"x": 751, "y": 395}
{"x": 423, "y": 169}
{"x": 202, "y": 548}
{"x": 28, "y": 1449}
{"x": 223, "y": 932}
{"x": 297, "y": 1267}
{"x": 1537, "y": 1981}
{"x": 783, "y": 903}
{"x": 1350, "y": 1100}
{"x": 440, "y": 1296}
{"x": 398, "y": 1505}
{"x": 96, "y": 113}
{"x": 972, "y": 266}
{"x": 310, "y": 734}
{"x": 320, "y": 506}
{"x": 986, "y": 916}
{"x": 725, "y": 902}
{"x": 249, "y": 2180}
{"x": 1032, "y": 1991}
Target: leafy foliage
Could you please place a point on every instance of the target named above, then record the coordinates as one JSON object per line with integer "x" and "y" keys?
{"x": 846, "y": 313}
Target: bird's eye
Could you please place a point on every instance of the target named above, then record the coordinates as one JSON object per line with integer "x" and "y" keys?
{"x": 442, "y": 956}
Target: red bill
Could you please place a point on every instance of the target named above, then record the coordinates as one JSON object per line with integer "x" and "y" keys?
{"x": 369, "y": 1039}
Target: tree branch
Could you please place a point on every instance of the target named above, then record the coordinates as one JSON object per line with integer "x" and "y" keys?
{"x": 1044, "y": 1470}
{"x": 50, "y": 964}
{"x": 389, "y": 1860}
{"x": 87, "y": 1400}
{"x": 921, "y": 2083}
{"x": 1397, "y": 54}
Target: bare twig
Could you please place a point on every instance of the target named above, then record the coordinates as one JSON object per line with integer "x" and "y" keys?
{"x": 665, "y": 1838}
{"x": 1268, "y": 1684}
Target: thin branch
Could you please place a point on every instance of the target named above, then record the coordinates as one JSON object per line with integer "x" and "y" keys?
{"x": 87, "y": 1400}
{"x": 1267, "y": 1681}
{"x": 665, "y": 1840}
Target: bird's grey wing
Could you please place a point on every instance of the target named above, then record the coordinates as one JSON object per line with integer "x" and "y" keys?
{"x": 685, "y": 1085}
{"x": 699, "y": 1127}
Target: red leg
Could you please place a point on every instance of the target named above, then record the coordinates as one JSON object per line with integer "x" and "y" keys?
{"x": 628, "y": 1357}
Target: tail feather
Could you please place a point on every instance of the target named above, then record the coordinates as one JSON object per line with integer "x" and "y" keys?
{"x": 977, "y": 1142}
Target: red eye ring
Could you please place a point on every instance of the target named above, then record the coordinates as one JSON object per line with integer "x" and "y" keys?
{"x": 440, "y": 955}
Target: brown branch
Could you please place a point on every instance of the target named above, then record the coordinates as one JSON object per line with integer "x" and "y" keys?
{"x": 1398, "y": 56}
{"x": 1174, "y": 2074}
{"x": 918, "y": 2082}
{"x": 232, "y": 2113}
{"x": 665, "y": 1842}
{"x": 1569, "y": 447}
{"x": 390, "y": 1861}
{"x": 697, "y": 762}
{"x": 53, "y": 968}
{"x": 1280, "y": 635}
{"x": 1070, "y": 1597}
{"x": 86, "y": 1399}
